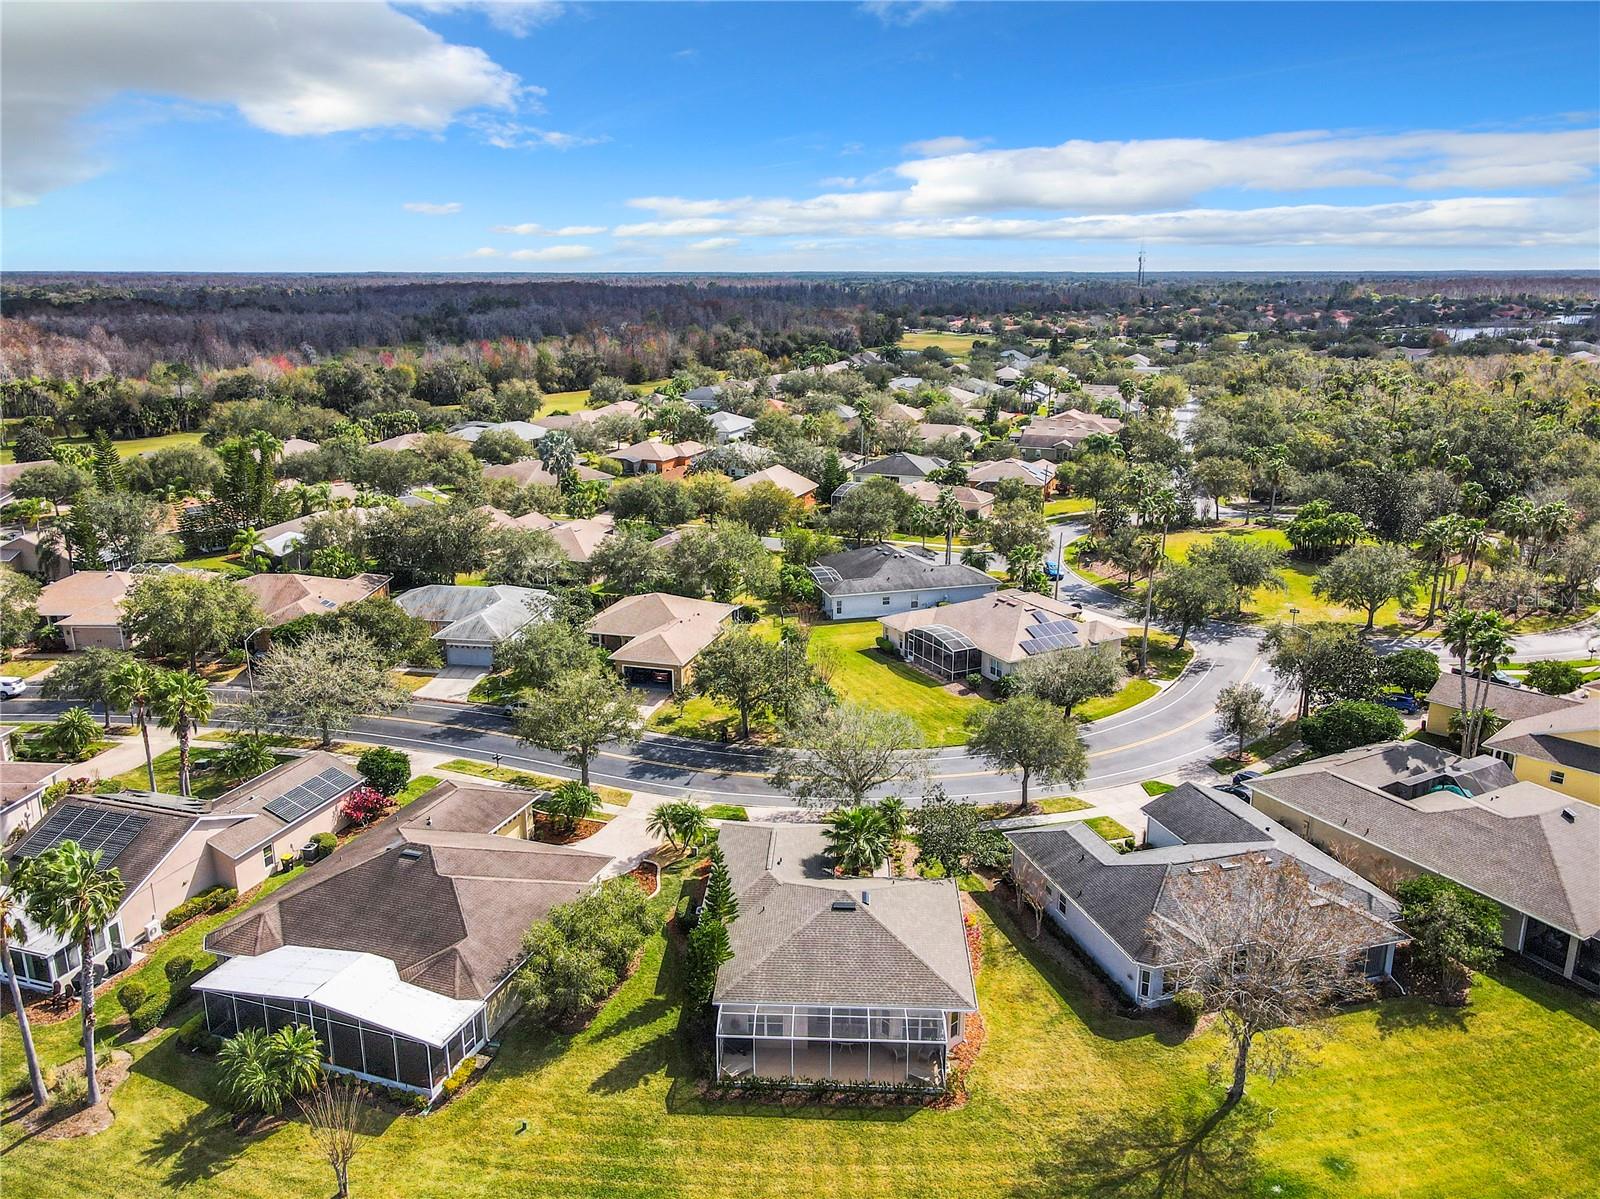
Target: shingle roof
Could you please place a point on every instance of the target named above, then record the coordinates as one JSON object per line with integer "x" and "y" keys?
{"x": 284, "y": 597}
{"x": 902, "y": 464}
{"x": 903, "y": 943}
{"x": 163, "y": 828}
{"x": 1002, "y": 624}
{"x": 250, "y": 799}
{"x": 1507, "y": 702}
{"x": 24, "y": 778}
{"x": 1552, "y": 737}
{"x": 653, "y": 449}
{"x": 531, "y": 471}
{"x": 1031, "y": 474}
{"x": 448, "y": 908}
{"x": 578, "y": 539}
{"x": 85, "y": 597}
{"x": 664, "y": 630}
{"x": 779, "y": 476}
{"x": 1121, "y": 892}
{"x": 1526, "y": 846}
{"x": 874, "y": 568}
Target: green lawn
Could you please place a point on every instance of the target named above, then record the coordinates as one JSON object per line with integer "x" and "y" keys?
{"x": 1134, "y": 691}
{"x": 134, "y": 445}
{"x": 725, "y": 811}
{"x": 203, "y": 783}
{"x": 1397, "y": 1101}
{"x": 536, "y": 782}
{"x": 570, "y": 401}
{"x": 1069, "y": 506}
{"x": 27, "y": 668}
{"x": 1108, "y": 829}
{"x": 1156, "y": 787}
{"x": 1255, "y": 751}
{"x": 415, "y": 789}
{"x": 1051, "y": 806}
{"x": 869, "y": 677}
{"x": 958, "y": 344}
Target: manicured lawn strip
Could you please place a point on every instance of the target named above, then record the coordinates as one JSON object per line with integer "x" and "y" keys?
{"x": 416, "y": 788}
{"x": 1154, "y": 787}
{"x": 957, "y": 344}
{"x": 1399, "y": 1101}
{"x": 1167, "y": 661}
{"x": 537, "y": 782}
{"x": 409, "y": 680}
{"x": 570, "y": 401}
{"x": 702, "y": 718}
{"x": 867, "y": 676}
{"x": 1069, "y": 506}
{"x": 1134, "y": 691}
{"x": 30, "y": 667}
{"x": 1259, "y": 749}
{"x": 1108, "y": 829}
{"x": 203, "y": 783}
{"x": 134, "y": 445}
{"x": 725, "y": 811}
{"x": 1052, "y": 806}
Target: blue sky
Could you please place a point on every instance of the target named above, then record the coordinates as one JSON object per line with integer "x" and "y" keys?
{"x": 756, "y": 137}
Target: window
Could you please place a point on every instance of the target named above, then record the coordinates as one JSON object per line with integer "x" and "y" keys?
{"x": 1061, "y": 903}
{"x": 1169, "y": 982}
{"x": 913, "y": 601}
{"x": 266, "y": 856}
{"x": 886, "y": 601}
{"x": 838, "y": 607}
{"x": 1558, "y": 776}
{"x": 1144, "y": 983}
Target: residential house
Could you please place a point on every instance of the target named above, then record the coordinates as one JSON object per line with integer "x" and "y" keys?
{"x": 899, "y": 468}
{"x": 282, "y": 541}
{"x": 1403, "y": 808}
{"x": 578, "y": 539}
{"x": 781, "y": 477}
{"x": 22, "y": 787}
{"x": 471, "y": 430}
{"x": 905, "y": 384}
{"x": 528, "y": 520}
{"x": 399, "y": 950}
{"x": 299, "y": 445}
{"x": 929, "y": 431}
{"x": 707, "y": 398}
{"x": 1008, "y": 375}
{"x": 286, "y": 597}
{"x": 586, "y": 417}
{"x": 37, "y": 552}
{"x": 169, "y": 849}
{"x": 471, "y": 621}
{"x": 848, "y": 980}
{"x": 1039, "y": 476}
{"x": 1111, "y": 903}
{"x": 1055, "y": 437}
{"x": 1552, "y": 740}
{"x": 86, "y": 608}
{"x": 655, "y": 638}
{"x": 973, "y": 502}
{"x": 1015, "y": 359}
{"x": 877, "y": 580}
{"x": 530, "y": 471}
{"x": 996, "y": 633}
{"x": 400, "y": 441}
{"x": 653, "y": 456}
{"x": 730, "y": 426}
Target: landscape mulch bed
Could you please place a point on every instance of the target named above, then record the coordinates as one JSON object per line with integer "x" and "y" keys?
{"x": 52, "y": 1124}
{"x": 544, "y": 831}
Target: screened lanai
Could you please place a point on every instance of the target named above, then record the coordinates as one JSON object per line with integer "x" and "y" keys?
{"x": 941, "y": 650}
{"x": 369, "y": 1022}
{"x": 836, "y": 1044}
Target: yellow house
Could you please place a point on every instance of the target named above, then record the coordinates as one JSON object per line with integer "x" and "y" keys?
{"x": 1507, "y": 702}
{"x": 1559, "y": 750}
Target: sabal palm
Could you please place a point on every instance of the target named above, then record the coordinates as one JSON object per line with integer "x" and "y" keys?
{"x": 691, "y": 825}
{"x": 568, "y": 804}
{"x": 13, "y": 882}
{"x": 948, "y": 515}
{"x": 858, "y": 839}
{"x": 183, "y": 704}
{"x": 71, "y": 895}
{"x": 74, "y": 731}
{"x": 134, "y": 686}
{"x": 660, "y": 824}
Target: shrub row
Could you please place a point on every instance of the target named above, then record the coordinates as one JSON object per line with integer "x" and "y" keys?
{"x": 213, "y": 899}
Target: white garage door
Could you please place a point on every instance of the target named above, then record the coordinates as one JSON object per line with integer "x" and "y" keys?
{"x": 468, "y": 655}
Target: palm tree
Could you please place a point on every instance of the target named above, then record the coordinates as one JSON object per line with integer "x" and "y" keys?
{"x": 1491, "y": 649}
{"x": 134, "y": 686}
{"x": 183, "y": 704}
{"x": 248, "y": 547}
{"x": 948, "y": 515}
{"x": 661, "y": 823}
{"x": 73, "y": 732}
{"x": 1438, "y": 541}
{"x": 568, "y": 804}
{"x": 1472, "y": 533}
{"x": 560, "y": 456}
{"x": 1552, "y": 521}
{"x": 858, "y": 839}
{"x": 13, "y": 884}
{"x": 893, "y": 811}
{"x": 1516, "y": 518}
{"x": 260, "y": 1070}
{"x": 691, "y": 825}
{"x": 1459, "y": 624}
{"x": 69, "y": 894}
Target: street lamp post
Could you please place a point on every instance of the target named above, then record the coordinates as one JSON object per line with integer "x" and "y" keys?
{"x": 249, "y": 669}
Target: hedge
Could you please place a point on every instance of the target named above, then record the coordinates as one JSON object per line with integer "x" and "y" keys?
{"x": 212, "y": 900}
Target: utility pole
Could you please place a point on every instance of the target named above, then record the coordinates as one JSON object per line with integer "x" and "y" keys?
{"x": 1141, "y": 272}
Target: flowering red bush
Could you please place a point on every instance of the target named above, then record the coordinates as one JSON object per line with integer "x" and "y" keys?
{"x": 363, "y": 805}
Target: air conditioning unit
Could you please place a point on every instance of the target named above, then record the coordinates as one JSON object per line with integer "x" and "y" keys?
{"x": 152, "y": 930}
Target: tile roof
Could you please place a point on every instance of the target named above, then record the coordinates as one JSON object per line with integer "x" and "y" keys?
{"x": 283, "y": 597}
{"x": 1521, "y": 844}
{"x": 779, "y": 476}
{"x": 901, "y": 943}
{"x": 663, "y": 629}
{"x": 479, "y": 615}
{"x": 874, "y": 568}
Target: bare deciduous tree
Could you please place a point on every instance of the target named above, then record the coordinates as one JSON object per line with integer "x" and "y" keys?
{"x": 1266, "y": 949}
{"x": 333, "y": 1112}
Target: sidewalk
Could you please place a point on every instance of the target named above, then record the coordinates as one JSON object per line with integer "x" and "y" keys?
{"x": 1122, "y": 803}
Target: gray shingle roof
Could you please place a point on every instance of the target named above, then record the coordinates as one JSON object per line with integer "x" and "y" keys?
{"x": 1523, "y": 845}
{"x": 160, "y": 833}
{"x": 902, "y": 944}
{"x": 1192, "y": 816}
{"x": 480, "y": 615}
{"x": 1507, "y": 702}
{"x": 874, "y": 568}
{"x": 902, "y": 464}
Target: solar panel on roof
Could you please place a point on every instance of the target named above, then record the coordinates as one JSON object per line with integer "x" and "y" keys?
{"x": 91, "y": 828}
{"x": 310, "y": 795}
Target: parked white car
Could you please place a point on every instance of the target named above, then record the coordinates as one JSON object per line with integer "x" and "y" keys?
{"x": 11, "y": 685}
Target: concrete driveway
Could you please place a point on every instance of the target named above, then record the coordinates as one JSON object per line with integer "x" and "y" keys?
{"x": 453, "y": 682}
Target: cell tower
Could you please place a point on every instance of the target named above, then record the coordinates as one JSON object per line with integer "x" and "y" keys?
{"x": 1141, "y": 270}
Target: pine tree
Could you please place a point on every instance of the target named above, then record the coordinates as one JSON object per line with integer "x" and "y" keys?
{"x": 107, "y": 463}
{"x": 721, "y": 903}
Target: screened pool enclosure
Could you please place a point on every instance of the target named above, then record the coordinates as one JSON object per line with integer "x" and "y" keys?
{"x": 942, "y": 651}
{"x": 836, "y": 1044}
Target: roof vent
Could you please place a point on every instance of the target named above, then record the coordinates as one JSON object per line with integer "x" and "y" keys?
{"x": 866, "y": 898}
{"x": 1569, "y": 816}
{"x": 844, "y": 905}
{"x": 411, "y": 853}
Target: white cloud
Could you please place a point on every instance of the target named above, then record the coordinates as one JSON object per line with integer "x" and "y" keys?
{"x": 425, "y": 209}
{"x": 514, "y": 135}
{"x": 1156, "y": 189}
{"x": 554, "y": 254}
{"x": 904, "y": 12}
{"x": 712, "y": 244}
{"x": 516, "y": 17}
{"x": 291, "y": 69}
{"x": 533, "y": 229}
{"x": 934, "y": 147}
{"x": 484, "y": 252}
